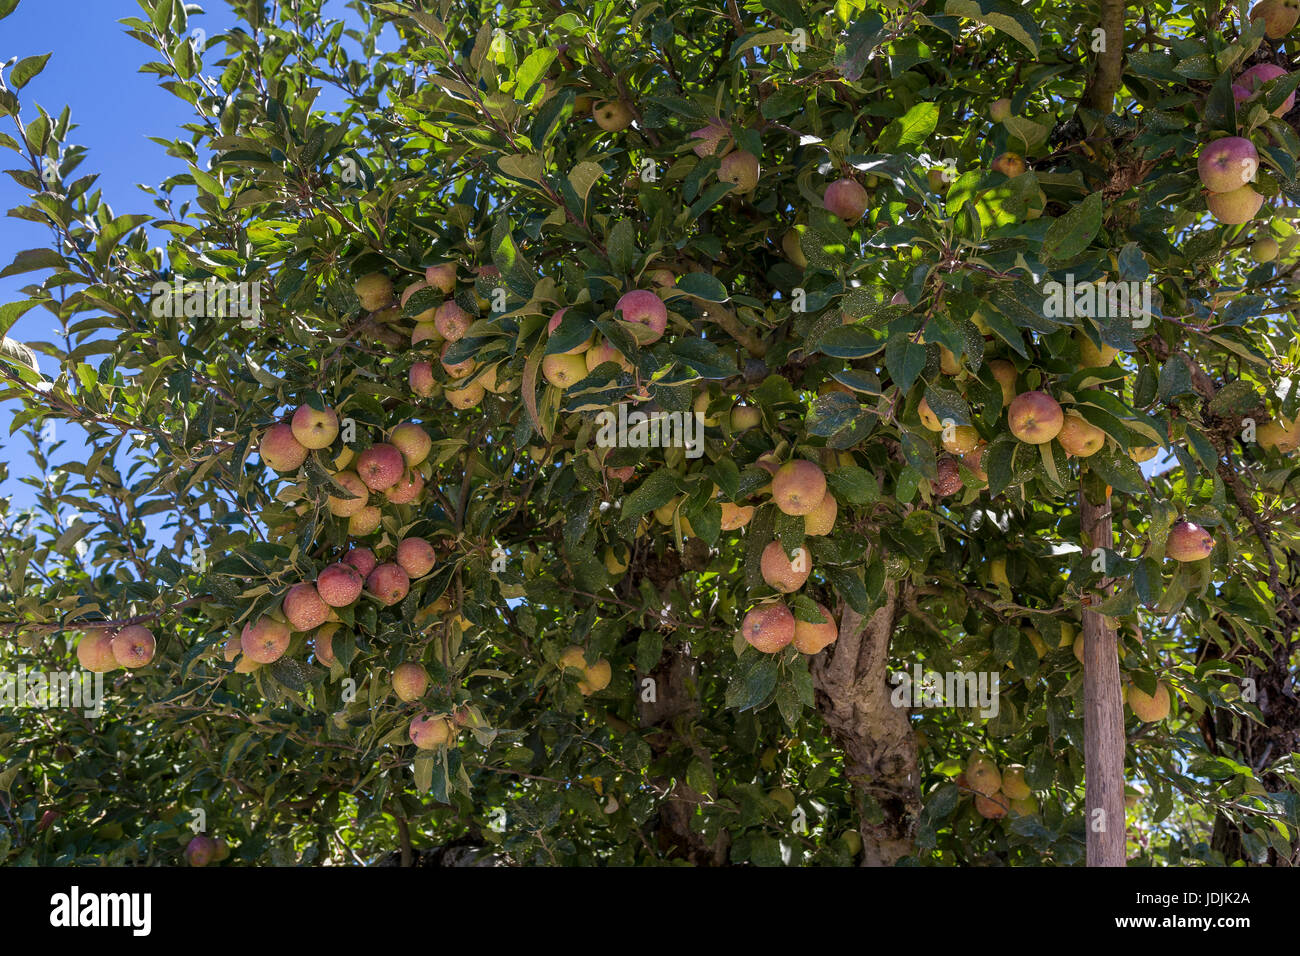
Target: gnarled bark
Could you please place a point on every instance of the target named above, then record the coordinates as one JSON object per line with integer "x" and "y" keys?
{"x": 853, "y": 696}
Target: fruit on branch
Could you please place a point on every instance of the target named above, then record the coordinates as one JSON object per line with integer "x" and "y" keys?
{"x": 363, "y": 559}
{"x": 1279, "y": 16}
{"x": 421, "y": 379}
{"x": 364, "y": 522}
{"x": 595, "y": 677}
{"x": 339, "y": 585}
{"x": 451, "y": 321}
{"x": 1278, "y": 436}
{"x": 412, "y": 441}
{"x": 461, "y": 369}
{"x": 1035, "y": 417}
{"x": 1092, "y": 357}
{"x": 928, "y": 418}
{"x": 466, "y": 397}
{"x": 564, "y": 370}
{"x": 982, "y": 774}
{"x": 811, "y": 638}
{"x": 782, "y": 573}
{"x": 389, "y": 583}
{"x": 133, "y": 646}
{"x": 281, "y": 450}
{"x": 735, "y": 517}
{"x": 304, "y": 607}
{"x": 948, "y": 479}
{"x": 1143, "y": 453}
{"x": 1259, "y": 74}
{"x": 1227, "y": 164}
{"x": 350, "y": 482}
{"x": 410, "y": 681}
{"x": 768, "y": 628}
{"x": 821, "y": 520}
{"x": 1236, "y": 207}
{"x": 1005, "y": 374}
{"x": 745, "y": 417}
{"x": 416, "y": 556}
{"x": 430, "y": 733}
{"x": 1013, "y": 783}
{"x": 1010, "y": 165}
{"x": 408, "y": 489}
{"x": 643, "y": 314}
{"x": 798, "y": 487}
{"x": 603, "y": 352}
{"x": 322, "y": 644}
{"x": 1149, "y": 708}
{"x": 960, "y": 439}
{"x": 613, "y": 115}
{"x": 1188, "y": 542}
{"x": 442, "y": 277}
{"x": 1264, "y": 249}
{"x": 793, "y": 251}
{"x": 553, "y": 326}
{"x": 408, "y": 293}
{"x": 846, "y": 199}
{"x": 95, "y": 652}
{"x": 200, "y": 851}
{"x": 740, "y": 169}
{"x": 374, "y": 291}
{"x": 1000, "y": 110}
{"x": 1080, "y": 438}
{"x": 991, "y": 807}
{"x": 380, "y": 466}
{"x": 265, "y": 640}
{"x": 714, "y": 138}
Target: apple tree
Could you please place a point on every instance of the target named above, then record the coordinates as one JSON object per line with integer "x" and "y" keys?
{"x": 666, "y": 433}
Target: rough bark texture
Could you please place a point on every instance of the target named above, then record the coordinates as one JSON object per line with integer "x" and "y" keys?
{"x": 1103, "y": 713}
{"x": 853, "y": 697}
{"x": 1109, "y": 70}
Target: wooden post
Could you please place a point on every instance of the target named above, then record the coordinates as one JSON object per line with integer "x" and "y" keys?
{"x": 1103, "y": 712}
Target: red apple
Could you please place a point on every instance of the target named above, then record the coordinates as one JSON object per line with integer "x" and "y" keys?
{"x": 363, "y": 559}
{"x": 1227, "y": 164}
{"x": 1188, "y": 542}
{"x": 644, "y": 314}
{"x": 416, "y": 556}
{"x": 1035, "y": 417}
{"x": 846, "y": 199}
{"x": 389, "y": 583}
{"x": 304, "y": 608}
{"x": 339, "y": 585}
{"x": 380, "y": 466}
{"x": 768, "y": 628}
{"x": 133, "y": 646}
{"x": 281, "y": 450}
{"x": 265, "y": 641}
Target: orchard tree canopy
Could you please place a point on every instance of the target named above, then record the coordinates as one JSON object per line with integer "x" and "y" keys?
{"x": 665, "y": 433}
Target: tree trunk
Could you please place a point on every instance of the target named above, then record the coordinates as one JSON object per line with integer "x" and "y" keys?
{"x": 853, "y": 696}
{"x": 1103, "y": 711}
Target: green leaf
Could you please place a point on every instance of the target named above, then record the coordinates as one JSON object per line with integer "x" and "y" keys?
{"x": 701, "y": 285}
{"x": 26, "y": 69}
{"x": 7, "y": 7}
{"x": 1005, "y": 15}
{"x": 910, "y": 130}
{"x": 656, "y": 490}
{"x": 532, "y": 70}
{"x": 1071, "y": 234}
{"x": 29, "y": 260}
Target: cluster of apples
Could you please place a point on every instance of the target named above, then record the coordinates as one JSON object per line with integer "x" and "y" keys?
{"x": 101, "y": 650}
{"x": 736, "y": 166}
{"x": 997, "y": 791}
{"x": 640, "y": 311}
{"x": 203, "y": 850}
{"x": 799, "y": 489}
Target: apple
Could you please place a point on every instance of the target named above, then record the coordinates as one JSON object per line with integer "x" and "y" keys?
{"x": 1010, "y": 165}
{"x": 1188, "y": 542}
{"x": 613, "y": 115}
{"x": 982, "y": 774}
{"x": 408, "y": 293}
{"x": 821, "y": 520}
{"x": 948, "y": 481}
{"x": 811, "y": 638}
{"x": 200, "y": 851}
{"x": 322, "y": 644}
{"x": 281, "y": 450}
{"x": 430, "y": 733}
{"x": 1279, "y": 16}
{"x": 928, "y": 418}
{"x": 1144, "y": 453}
{"x": 407, "y": 490}
{"x": 350, "y": 482}
{"x": 1035, "y": 417}
{"x": 364, "y": 522}
{"x": 1227, "y": 164}
{"x": 265, "y": 641}
{"x": 1092, "y": 357}
{"x": 793, "y": 251}
{"x": 1236, "y": 207}
{"x": 1005, "y": 374}
{"x": 741, "y": 169}
{"x": 960, "y": 439}
{"x": 466, "y": 397}
{"x": 389, "y": 583}
{"x": 1278, "y": 436}
{"x": 554, "y": 324}
{"x": 363, "y": 559}
{"x": 563, "y": 371}
{"x": 595, "y": 678}
{"x": 603, "y": 352}
{"x": 133, "y": 646}
{"x": 451, "y": 321}
{"x": 457, "y": 369}
{"x": 991, "y": 807}
{"x": 95, "y": 652}
{"x": 768, "y": 628}
{"x": 315, "y": 429}
{"x": 974, "y": 461}
{"x": 745, "y": 417}
{"x": 339, "y": 584}
{"x": 1000, "y": 110}
{"x": 425, "y": 332}
{"x": 410, "y": 681}
{"x": 643, "y": 314}
{"x": 1261, "y": 73}
{"x": 1149, "y": 708}
{"x": 1264, "y": 249}
{"x": 1080, "y": 438}
{"x": 735, "y": 517}
{"x": 1013, "y": 782}
{"x": 846, "y": 199}
{"x": 421, "y": 379}
{"x": 416, "y": 556}
{"x": 304, "y": 608}
{"x": 412, "y": 441}
{"x": 442, "y": 277}
{"x": 374, "y": 291}
{"x": 798, "y": 487}
{"x": 380, "y": 466}
{"x": 780, "y": 572}
{"x": 714, "y": 138}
